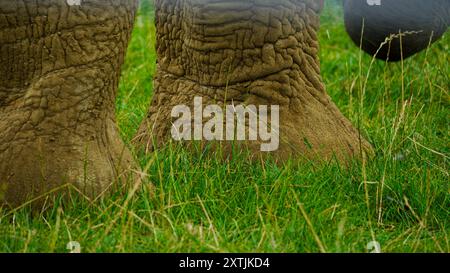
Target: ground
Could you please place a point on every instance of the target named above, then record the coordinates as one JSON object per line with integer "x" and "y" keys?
{"x": 400, "y": 198}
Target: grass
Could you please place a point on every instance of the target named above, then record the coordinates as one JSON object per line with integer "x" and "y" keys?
{"x": 400, "y": 198}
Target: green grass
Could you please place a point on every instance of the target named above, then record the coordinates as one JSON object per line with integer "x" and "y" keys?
{"x": 400, "y": 198}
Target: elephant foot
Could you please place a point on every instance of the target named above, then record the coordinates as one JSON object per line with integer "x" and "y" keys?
{"x": 306, "y": 123}
{"x": 59, "y": 134}
{"x": 214, "y": 55}
{"x": 59, "y": 71}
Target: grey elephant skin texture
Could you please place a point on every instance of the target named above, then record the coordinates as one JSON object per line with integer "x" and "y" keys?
{"x": 415, "y": 24}
{"x": 59, "y": 72}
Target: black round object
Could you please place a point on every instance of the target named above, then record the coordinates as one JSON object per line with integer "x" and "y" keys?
{"x": 420, "y": 21}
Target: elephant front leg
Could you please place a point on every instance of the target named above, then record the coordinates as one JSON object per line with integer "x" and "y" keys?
{"x": 59, "y": 72}
{"x": 255, "y": 55}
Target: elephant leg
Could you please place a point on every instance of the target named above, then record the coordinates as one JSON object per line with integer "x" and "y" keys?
{"x": 59, "y": 72}
{"x": 260, "y": 53}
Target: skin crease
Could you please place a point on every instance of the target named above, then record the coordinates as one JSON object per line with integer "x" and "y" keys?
{"x": 60, "y": 67}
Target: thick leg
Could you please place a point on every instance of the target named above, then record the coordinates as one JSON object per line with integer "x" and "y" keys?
{"x": 253, "y": 53}
{"x": 59, "y": 72}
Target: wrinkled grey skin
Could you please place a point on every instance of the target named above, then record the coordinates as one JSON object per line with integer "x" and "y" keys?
{"x": 59, "y": 72}
{"x": 254, "y": 52}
